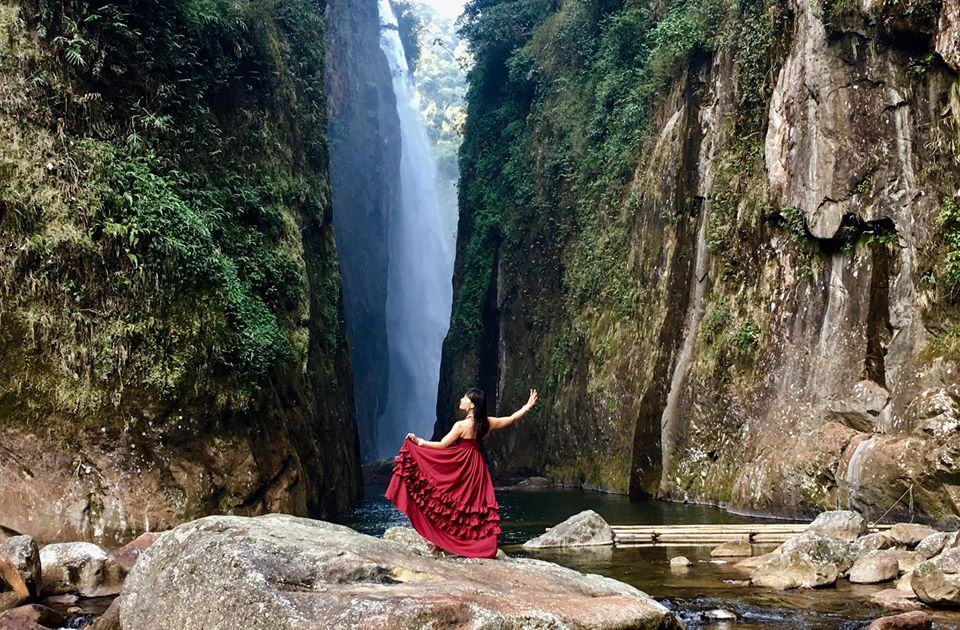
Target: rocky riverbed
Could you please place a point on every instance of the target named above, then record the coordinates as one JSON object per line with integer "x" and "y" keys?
{"x": 285, "y": 572}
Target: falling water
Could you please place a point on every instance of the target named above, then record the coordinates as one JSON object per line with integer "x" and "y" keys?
{"x": 419, "y": 289}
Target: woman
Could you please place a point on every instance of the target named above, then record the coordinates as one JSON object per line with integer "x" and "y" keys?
{"x": 445, "y": 488}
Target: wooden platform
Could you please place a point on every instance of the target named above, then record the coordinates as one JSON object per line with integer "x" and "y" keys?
{"x": 710, "y": 534}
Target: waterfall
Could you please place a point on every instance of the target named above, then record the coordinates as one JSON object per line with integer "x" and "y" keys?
{"x": 419, "y": 276}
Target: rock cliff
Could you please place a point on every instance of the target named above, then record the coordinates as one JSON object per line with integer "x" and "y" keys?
{"x": 171, "y": 322}
{"x": 732, "y": 266}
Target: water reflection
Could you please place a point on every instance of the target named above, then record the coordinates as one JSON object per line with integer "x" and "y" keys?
{"x": 706, "y": 586}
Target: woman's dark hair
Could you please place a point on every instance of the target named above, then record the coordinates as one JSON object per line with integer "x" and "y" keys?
{"x": 480, "y": 420}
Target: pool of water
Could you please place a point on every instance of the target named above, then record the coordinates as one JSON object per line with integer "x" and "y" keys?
{"x": 693, "y": 592}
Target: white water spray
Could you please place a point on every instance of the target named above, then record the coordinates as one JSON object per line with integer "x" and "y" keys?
{"x": 420, "y": 271}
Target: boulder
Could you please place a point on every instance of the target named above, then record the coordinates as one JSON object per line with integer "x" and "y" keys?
{"x": 903, "y": 584}
{"x": 409, "y": 538}
{"x": 947, "y": 42}
{"x": 841, "y": 524}
{"x": 907, "y": 621}
{"x": 532, "y": 483}
{"x": 125, "y": 557}
{"x": 794, "y": 571}
{"x": 936, "y": 581}
{"x": 870, "y": 542}
{"x": 283, "y": 572}
{"x": 907, "y": 561}
{"x": 755, "y": 561}
{"x": 580, "y": 530}
{"x": 810, "y": 560}
{"x": 13, "y": 590}
{"x": 23, "y": 554}
{"x": 379, "y": 471}
{"x": 733, "y": 549}
{"x": 874, "y": 567}
{"x": 82, "y": 568}
{"x": 680, "y": 561}
{"x": 909, "y": 534}
{"x": 896, "y": 599}
{"x": 933, "y": 544}
{"x": 32, "y": 617}
{"x": 820, "y": 548}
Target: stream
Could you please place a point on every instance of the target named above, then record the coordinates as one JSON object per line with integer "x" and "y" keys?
{"x": 693, "y": 593}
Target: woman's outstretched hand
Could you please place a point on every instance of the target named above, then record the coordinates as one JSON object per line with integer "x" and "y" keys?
{"x": 533, "y": 398}
{"x": 415, "y": 439}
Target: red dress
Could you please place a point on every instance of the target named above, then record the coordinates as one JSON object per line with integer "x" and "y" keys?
{"x": 448, "y": 496}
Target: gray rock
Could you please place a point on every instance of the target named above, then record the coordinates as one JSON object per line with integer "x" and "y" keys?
{"x": 841, "y": 524}
{"x": 948, "y": 34}
{"x": 580, "y": 530}
{"x": 819, "y": 548}
{"x": 31, "y": 617}
{"x": 532, "y": 483}
{"x": 910, "y": 534}
{"x": 907, "y": 561}
{"x": 732, "y": 549}
{"x": 23, "y": 554}
{"x": 862, "y": 408}
{"x": 936, "y": 581}
{"x": 680, "y": 561}
{"x": 719, "y": 615}
{"x": 82, "y": 568}
{"x": 903, "y": 584}
{"x": 870, "y": 542}
{"x": 408, "y": 537}
{"x": 935, "y": 543}
{"x": 794, "y": 571}
{"x": 874, "y": 567}
{"x": 280, "y": 572}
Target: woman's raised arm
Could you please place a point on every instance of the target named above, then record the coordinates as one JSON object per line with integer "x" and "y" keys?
{"x": 499, "y": 423}
{"x": 447, "y": 440}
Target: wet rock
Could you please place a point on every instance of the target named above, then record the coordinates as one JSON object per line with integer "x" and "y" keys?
{"x": 110, "y": 620}
{"x": 532, "y": 483}
{"x": 936, "y": 581}
{"x": 680, "y": 561}
{"x": 907, "y": 621}
{"x": 755, "y": 561}
{"x": 31, "y": 617}
{"x": 870, "y": 542}
{"x": 719, "y": 615}
{"x": 286, "y": 572}
{"x": 935, "y": 543}
{"x": 732, "y": 549}
{"x": 896, "y": 599}
{"x": 379, "y": 471}
{"x": 841, "y": 524}
{"x": 874, "y": 567}
{"x": 909, "y": 534}
{"x": 408, "y": 537}
{"x": 23, "y": 554}
{"x": 933, "y": 412}
{"x": 82, "y": 568}
{"x": 126, "y": 556}
{"x": 580, "y": 530}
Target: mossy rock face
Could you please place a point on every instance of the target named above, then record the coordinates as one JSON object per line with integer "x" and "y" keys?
{"x": 172, "y": 284}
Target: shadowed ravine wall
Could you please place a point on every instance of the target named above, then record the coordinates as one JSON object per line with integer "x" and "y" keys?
{"x": 171, "y": 324}
{"x": 730, "y": 264}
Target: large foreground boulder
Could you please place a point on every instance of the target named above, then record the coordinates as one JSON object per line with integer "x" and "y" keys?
{"x": 810, "y": 560}
{"x": 282, "y": 572}
{"x": 585, "y": 529}
{"x": 23, "y": 554}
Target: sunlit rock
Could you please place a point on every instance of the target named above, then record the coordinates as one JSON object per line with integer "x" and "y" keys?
{"x": 580, "y": 530}
{"x": 283, "y": 572}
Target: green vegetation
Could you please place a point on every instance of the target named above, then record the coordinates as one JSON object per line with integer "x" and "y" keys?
{"x": 949, "y": 221}
{"x": 168, "y": 243}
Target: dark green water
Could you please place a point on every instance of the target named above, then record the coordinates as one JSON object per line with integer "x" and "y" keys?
{"x": 694, "y": 592}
